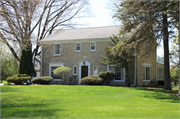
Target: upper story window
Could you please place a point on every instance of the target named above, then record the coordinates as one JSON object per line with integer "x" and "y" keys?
{"x": 78, "y": 47}
{"x": 147, "y": 49}
{"x": 92, "y": 46}
{"x": 57, "y": 49}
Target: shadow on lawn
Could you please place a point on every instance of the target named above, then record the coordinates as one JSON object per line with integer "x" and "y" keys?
{"x": 28, "y": 110}
{"x": 158, "y": 93}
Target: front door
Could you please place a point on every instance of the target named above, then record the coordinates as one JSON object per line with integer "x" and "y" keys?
{"x": 84, "y": 71}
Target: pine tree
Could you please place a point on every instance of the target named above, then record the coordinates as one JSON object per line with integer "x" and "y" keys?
{"x": 26, "y": 65}
{"x": 118, "y": 54}
{"x": 147, "y": 21}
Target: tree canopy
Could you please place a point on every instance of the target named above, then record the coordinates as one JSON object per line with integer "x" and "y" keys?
{"x": 26, "y": 22}
{"x": 147, "y": 21}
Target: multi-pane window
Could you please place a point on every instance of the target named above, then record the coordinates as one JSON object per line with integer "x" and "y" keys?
{"x": 119, "y": 73}
{"x": 95, "y": 70}
{"x": 53, "y": 75}
{"x": 74, "y": 70}
{"x": 57, "y": 49}
{"x": 92, "y": 46}
{"x": 160, "y": 73}
{"x": 146, "y": 73}
{"x": 78, "y": 47}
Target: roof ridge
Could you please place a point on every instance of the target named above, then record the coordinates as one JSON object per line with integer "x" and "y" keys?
{"x": 91, "y": 27}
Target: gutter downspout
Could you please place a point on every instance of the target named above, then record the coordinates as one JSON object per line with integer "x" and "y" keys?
{"x": 134, "y": 68}
{"x": 156, "y": 66}
{"x": 41, "y": 58}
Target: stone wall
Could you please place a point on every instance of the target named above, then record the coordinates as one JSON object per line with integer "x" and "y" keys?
{"x": 70, "y": 57}
{"x": 148, "y": 58}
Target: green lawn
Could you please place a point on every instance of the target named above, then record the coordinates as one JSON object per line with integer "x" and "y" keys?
{"x": 60, "y": 101}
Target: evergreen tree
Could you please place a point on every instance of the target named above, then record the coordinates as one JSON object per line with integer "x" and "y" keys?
{"x": 118, "y": 54}
{"x": 26, "y": 65}
{"x": 147, "y": 21}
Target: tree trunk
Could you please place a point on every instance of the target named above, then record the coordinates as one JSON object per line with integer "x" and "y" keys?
{"x": 167, "y": 83}
{"x": 127, "y": 72}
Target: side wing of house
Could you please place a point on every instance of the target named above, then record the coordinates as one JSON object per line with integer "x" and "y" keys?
{"x": 146, "y": 65}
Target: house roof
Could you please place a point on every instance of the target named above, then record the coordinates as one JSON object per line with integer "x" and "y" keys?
{"x": 83, "y": 33}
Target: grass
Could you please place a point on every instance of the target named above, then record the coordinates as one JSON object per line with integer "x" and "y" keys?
{"x": 60, "y": 101}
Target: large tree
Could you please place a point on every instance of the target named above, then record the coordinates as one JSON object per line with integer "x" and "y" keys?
{"x": 26, "y": 22}
{"x": 149, "y": 20}
{"x": 118, "y": 54}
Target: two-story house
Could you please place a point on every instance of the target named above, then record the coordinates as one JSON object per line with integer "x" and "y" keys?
{"x": 82, "y": 50}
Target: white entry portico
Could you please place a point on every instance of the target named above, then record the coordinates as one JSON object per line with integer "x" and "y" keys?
{"x": 81, "y": 64}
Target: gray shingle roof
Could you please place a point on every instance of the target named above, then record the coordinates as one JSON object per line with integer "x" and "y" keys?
{"x": 83, "y": 33}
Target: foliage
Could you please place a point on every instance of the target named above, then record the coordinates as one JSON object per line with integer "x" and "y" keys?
{"x": 107, "y": 76}
{"x": 92, "y": 80}
{"x": 8, "y": 67}
{"x": 26, "y": 65}
{"x": 6, "y": 83}
{"x": 42, "y": 80}
{"x": 62, "y": 71}
{"x": 18, "y": 79}
{"x": 174, "y": 73}
{"x": 175, "y": 51}
{"x": 119, "y": 53}
{"x": 160, "y": 59}
{"x": 147, "y": 21}
{"x": 85, "y": 101}
{"x": 8, "y": 63}
{"x": 29, "y": 21}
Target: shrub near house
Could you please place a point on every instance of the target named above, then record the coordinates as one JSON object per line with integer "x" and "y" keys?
{"x": 107, "y": 76}
{"x": 92, "y": 80}
{"x": 18, "y": 79}
{"x": 42, "y": 80}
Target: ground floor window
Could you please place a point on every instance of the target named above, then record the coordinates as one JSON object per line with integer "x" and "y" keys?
{"x": 160, "y": 73}
{"x": 53, "y": 75}
{"x": 119, "y": 73}
{"x": 146, "y": 73}
{"x": 74, "y": 70}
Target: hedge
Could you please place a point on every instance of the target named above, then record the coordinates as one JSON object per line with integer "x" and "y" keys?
{"x": 18, "y": 79}
{"x": 92, "y": 80}
{"x": 107, "y": 76}
{"x": 42, "y": 80}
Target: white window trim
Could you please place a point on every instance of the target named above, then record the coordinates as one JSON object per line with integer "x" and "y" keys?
{"x": 97, "y": 70}
{"x": 147, "y": 65}
{"x": 80, "y": 47}
{"x": 123, "y": 69}
{"x": 55, "y": 65}
{"x": 73, "y": 70}
{"x": 54, "y": 49}
{"x": 95, "y": 46}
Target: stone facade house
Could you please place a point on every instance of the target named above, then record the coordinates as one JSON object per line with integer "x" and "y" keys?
{"x": 82, "y": 50}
